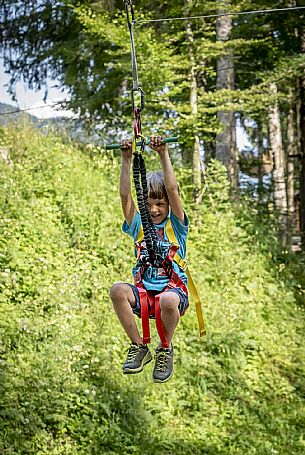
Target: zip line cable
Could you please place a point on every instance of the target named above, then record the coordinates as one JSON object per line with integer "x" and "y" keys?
{"x": 123, "y": 94}
{"x": 207, "y": 16}
{"x": 114, "y": 93}
{"x": 145, "y": 21}
{"x": 29, "y": 109}
{"x": 106, "y": 93}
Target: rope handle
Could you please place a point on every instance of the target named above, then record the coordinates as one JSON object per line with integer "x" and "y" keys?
{"x": 167, "y": 140}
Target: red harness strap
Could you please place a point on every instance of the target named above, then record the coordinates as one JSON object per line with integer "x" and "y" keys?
{"x": 150, "y": 308}
{"x": 144, "y": 314}
{"x": 150, "y": 302}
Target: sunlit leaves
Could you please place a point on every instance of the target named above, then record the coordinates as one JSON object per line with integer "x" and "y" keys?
{"x": 239, "y": 390}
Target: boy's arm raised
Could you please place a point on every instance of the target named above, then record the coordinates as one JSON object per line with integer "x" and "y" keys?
{"x": 127, "y": 202}
{"x": 170, "y": 181}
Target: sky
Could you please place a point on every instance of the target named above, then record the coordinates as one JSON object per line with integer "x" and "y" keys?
{"x": 33, "y": 100}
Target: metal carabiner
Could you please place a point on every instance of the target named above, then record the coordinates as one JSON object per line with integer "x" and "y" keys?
{"x": 135, "y": 143}
{"x": 142, "y": 100}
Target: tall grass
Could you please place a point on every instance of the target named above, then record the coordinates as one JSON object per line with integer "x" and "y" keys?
{"x": 240, "y": 390}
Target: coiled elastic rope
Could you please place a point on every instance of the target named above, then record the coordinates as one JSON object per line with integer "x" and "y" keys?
{"x": 140, "y": 183}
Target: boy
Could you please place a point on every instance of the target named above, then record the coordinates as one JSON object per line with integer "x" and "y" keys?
{"x": 164, "y": 202}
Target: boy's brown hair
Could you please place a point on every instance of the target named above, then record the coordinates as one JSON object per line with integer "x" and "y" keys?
{"x": 155, "y": 185}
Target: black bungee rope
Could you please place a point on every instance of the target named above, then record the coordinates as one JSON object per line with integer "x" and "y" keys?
{"x": 140, "y": 182}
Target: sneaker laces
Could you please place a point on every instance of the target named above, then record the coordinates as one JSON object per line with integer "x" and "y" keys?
{"x": 162, "y": 357}
{"x": 132, "y": 352}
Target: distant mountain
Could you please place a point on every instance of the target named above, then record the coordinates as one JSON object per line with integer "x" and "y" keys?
{"x": 67, "y": 126}
{"x": 13, "y": 114}
{"x": 9, "y": 113}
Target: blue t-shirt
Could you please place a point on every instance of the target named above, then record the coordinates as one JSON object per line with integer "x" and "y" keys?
{"x": 155, "y": 279}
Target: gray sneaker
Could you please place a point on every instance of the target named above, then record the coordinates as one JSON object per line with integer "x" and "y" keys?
{"x": 163, "y": 369}
{"x": 138, "y": 355}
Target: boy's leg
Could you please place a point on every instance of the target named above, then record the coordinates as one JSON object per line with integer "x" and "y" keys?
{"x": 170, "y": 315}
{"x": 173, "y": 303}
{"x": 123, "y": 299}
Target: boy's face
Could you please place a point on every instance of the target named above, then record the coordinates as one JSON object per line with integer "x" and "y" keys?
{"x": 159, "y": 209}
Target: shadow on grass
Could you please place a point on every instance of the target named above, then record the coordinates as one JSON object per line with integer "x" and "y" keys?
{"x": 247, "y": 402}
{"x": 41, "y": 413}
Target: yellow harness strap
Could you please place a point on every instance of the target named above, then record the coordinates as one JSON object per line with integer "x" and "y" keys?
{"x": 140, "y": 235}
{"x": 191, "y": 285}
{"x": 184, "y": 266}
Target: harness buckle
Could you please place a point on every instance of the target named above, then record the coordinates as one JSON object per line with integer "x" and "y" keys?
{"x": 181, "y": 262}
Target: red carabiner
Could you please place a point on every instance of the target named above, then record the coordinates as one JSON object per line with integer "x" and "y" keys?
{"x": 137, "y": 124}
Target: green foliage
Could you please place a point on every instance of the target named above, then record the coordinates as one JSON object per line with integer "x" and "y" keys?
{"x": 86, "y": 47}
{"x": 240, "y": 390}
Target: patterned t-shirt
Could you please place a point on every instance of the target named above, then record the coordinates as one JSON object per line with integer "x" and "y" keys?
{"x": 155, "y": 279}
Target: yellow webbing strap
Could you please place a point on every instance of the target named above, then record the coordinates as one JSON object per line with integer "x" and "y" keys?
{"x": 140, "y": 235}
{"x": 191, "y": 285}
{"x": 134, "y": 144}
{"x": 196, "y": 298}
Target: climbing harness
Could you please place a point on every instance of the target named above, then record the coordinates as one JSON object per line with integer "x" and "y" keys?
{"x": 182, "y": 263}
{"x": 150, "y": 301}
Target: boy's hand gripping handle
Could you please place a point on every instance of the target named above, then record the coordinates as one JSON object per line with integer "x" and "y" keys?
{"x": 147, "y": 142}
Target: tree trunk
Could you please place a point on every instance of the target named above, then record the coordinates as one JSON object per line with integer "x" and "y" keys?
{"x": 301, "y": 137}
{"x": 226, "y": 149}
{"x": 276, "y": 144}
{"x": 302, "y": 163}
{"x": 298, "y": 114}
{"x": 260, "y": 153}
{"x": 196, "y": 161}
{"x": 298, "y": 106}
{"x": 290, "y": 168}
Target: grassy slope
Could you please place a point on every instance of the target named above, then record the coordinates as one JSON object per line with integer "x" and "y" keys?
{"x": 238, "y": 391}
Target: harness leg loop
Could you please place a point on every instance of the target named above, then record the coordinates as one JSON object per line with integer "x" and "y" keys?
{"x": 144, "y": 315}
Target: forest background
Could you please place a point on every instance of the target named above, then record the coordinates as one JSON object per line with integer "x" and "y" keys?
{"x": 241, "y": 389}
